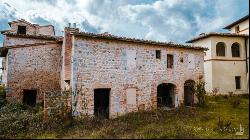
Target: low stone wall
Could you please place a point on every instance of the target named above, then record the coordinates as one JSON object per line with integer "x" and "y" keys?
{"x": 57, "y": 103}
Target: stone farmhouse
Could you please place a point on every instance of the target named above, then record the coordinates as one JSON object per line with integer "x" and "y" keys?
{"x": 226, "y": 63}
{"x": 106, "y": 74}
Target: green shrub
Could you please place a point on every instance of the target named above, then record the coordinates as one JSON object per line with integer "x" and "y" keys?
{"x": 245, "y": 96}
{"x": 226, "y": 96}
{"x": 223, "y": 125}
{"x": 2, "y": 95}
{"x": 17, "y": 119}
{"x": 200, "y": 92}
{"x": 2, "y": 92}
{"x": 184, "y": 133}
{"x": 235, "y": 101}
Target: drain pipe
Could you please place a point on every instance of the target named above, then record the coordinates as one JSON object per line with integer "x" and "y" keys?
{"x": 247, "y": 57}
{"x": 246, "y": 54}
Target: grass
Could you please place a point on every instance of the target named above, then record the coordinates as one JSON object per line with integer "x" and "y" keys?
{"x": 183, "y": 122}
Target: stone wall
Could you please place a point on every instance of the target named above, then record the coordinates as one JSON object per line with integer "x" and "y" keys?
{"x": 33, "y": 67}
{"x": 30, "y": 29}
{"x": 57, "y": 103}
{"x": 45, "y": 30}
{"x": 103, "y": 64}
{"x": 33, "y": 29}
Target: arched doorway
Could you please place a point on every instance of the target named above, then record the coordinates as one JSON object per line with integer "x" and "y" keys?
{"x": 189, "y": 92}
{"x": 165, "y": 95}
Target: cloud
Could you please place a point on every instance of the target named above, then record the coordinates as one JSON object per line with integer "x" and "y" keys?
{"x": 161, "y": 20}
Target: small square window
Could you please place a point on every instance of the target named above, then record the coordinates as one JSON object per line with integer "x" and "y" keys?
{"x": 158, "y": 54}
{"x": 21, "y": 30}
{"x": 170, "y": 61}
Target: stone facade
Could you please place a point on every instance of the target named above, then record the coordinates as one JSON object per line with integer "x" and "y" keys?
{"x": 83, "y": 63}
{"x": 33, "y": 62}
{"x": 32, "y": 29}
{"x": 103, "y": 64}
{"x": 57, "y": 103}
{"x": 36, "y": 67}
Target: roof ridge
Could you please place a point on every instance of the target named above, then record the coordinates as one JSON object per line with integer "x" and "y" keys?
{"x": 236, "y": 22}
{"x": 29, "y": 45}
{"x": 136, "y": 40}
{"x": 39, "y": 36}
{"x": 216, "y": 34}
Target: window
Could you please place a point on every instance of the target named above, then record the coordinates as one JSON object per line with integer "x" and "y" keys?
{"x": 220, "y": 49}
{"x": 237, "y": 29}
{"x": 170, "y": 61}
{"x": 131, "y": 96}
{"x": 237, "y": 82}
{"x": 235, "y": 50}
{"x": 158, "y": 54}
{"x": 21, "y": 30}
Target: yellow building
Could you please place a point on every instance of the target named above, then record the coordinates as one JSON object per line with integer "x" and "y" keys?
{"x": 226, "y": 63}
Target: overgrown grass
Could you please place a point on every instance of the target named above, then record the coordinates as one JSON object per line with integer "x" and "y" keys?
{"x": 183, "y": 122}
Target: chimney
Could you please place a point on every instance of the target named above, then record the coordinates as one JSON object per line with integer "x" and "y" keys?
{"x": 69, "y": 25}
{"x": 66, "y": 50}
{"x": 74, "y": 25}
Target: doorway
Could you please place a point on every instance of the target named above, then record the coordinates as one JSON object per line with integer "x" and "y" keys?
{"x": 29, "y": 97}
{"x": 165, "y": 95}
{"x": 101, "y": 102}
{"x": 189, "y": 93}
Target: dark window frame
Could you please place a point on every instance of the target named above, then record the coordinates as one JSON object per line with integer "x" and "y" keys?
{"x": 158, "y": 54}
{"x": 238, "y": 82}
{"x": 220, "y": 49}
{"x": 235, "y": 50}
{"x": 170, "y": 61}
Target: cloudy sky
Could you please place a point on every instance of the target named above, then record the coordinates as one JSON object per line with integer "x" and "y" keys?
{"x": 161, "y": 20}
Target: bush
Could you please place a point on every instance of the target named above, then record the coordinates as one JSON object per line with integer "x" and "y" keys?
{"x": 184, "y": 133}
{"x": 2, "y": 95}
{"x": 235, "y": 102}
{"x": 17, "y": 119}
{"x": 245, "y": 96}
{"x": 223, "y": 125}
{"x": 200, "y": 92}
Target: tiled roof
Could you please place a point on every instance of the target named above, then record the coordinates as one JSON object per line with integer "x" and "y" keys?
{"x": 202, "y": 36}
{"x": 29, "y": 45}
{"x": 45, "y": 37}
{"x": 133, "y": 40}
{"x": 236, "y": 22}
{"x": 4, "y": 50}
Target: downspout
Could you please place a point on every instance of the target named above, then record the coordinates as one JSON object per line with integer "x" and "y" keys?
{"x": 247, "y": 64}
{"x": 246, "y": 54}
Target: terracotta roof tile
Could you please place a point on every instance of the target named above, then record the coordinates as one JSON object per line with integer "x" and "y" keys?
{"x": 202, "y": 36}
{"x": 133, "y": 40}
{"x": 236, "y": 22}
{"x": 46, "y": 37}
